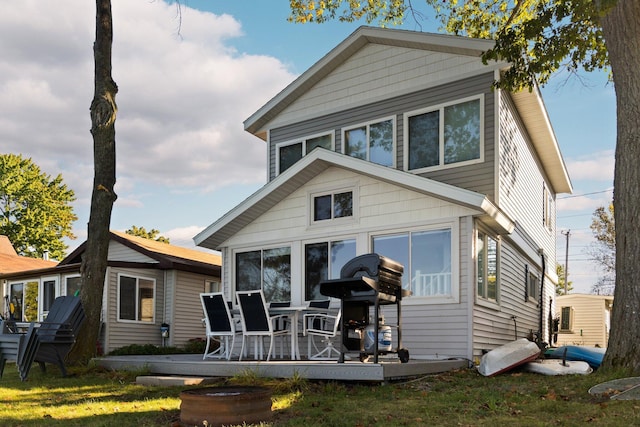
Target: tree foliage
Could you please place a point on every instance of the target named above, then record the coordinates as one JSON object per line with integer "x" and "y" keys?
{"x": 561, "y": 278}
{"x": 152, "y": 234}
{"x": 603, "y": 251}
{"x": 35, "y": 209}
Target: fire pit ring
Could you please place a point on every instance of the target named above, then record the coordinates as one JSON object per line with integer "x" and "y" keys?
{"x": 225, "y": 405}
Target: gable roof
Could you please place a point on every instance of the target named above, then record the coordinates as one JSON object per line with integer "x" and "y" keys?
{"x": 11, "y": 262}
{"x": 319, "y": 160}
{"x": 529, "y": 103}
{"x": 166, "y": 257}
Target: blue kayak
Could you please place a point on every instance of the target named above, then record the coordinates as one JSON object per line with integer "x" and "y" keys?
{"x": 592, "y": 355}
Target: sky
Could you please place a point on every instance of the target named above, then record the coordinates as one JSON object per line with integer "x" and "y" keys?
{"x": 187, "y": 80}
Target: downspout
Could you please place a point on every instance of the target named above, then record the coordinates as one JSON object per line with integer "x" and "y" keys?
{"x": 544, "y": 270}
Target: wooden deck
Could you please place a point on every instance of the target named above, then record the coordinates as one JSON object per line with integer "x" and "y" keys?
{"x": 388, "y": 369}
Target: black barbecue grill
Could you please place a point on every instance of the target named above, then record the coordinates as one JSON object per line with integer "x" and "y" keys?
{"x": 365, "y": 281}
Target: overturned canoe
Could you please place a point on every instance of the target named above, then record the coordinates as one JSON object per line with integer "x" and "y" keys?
{"x": 508, "y": 356}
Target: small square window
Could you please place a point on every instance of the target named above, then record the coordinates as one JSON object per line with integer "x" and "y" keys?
{"x": 331, "y": 206}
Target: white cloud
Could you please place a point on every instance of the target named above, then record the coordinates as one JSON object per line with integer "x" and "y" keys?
{"x": 181, "y": 103}
{"x": 596, "y": 166}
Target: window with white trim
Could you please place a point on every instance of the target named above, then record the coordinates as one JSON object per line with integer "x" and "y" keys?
{"x": 372, "y": 141}
{"x": 136, "y": 298}
{"x": 323, "y": 260}
{"x": 566, "y": 319}
{"x": 290, "y": 152}
{"x": 445, "y": 135}
{"x": 487, "y": 266}
{"x": 533, "y": 286}
{"x": 266, "y": 269}
{"x": 427, "y": 259}
{"x": 331, "y": 205}
{"x": 72, "y": 285}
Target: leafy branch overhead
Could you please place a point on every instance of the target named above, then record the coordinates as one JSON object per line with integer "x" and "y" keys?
{"x": 538, "y": 37}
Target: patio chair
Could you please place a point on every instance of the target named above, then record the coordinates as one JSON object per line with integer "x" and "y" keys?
{"x": 257, "y": 323}
{"x": 219, "y": 325}
{"x": 325, "y": 326}
{"x": 49, "y": 341}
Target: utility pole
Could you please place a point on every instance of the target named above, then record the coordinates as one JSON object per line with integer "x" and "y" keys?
{"x": 566, "y": 261}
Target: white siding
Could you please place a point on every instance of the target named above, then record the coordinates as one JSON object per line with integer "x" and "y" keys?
{"x": 377, "y": 72}
{"x": 120, "y": 252}
{"x": 427, "y": 328}
{"x": 521, "y": 183}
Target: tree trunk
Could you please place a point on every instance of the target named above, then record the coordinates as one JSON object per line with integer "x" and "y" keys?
{"x": 103, "y": 116}
{"x": 621, "y": 27}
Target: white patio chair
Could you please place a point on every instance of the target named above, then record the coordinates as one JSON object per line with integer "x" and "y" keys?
{"x": 219, "y": 325}
{"x": 257, "y": 323}
{"x": 326, "y": 327}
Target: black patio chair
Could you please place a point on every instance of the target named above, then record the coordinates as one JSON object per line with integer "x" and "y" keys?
{"x": 220, "y": 326}
{"x": 256, "y": 321}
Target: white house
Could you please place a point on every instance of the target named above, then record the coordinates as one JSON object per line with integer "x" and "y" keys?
{"x": 396, "y": 142}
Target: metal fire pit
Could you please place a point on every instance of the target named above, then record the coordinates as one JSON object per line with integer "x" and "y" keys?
{"x": 366, "y": 281}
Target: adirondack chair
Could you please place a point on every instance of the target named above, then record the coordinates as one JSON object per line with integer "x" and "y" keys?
{"x": 47, "y": 342}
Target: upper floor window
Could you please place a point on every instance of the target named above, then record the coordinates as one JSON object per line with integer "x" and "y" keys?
{"x": 332, "y": 205}
{"x": 291, "y": 152}
{"x": 373, "y": 142}
{"x": 450, "y": 134}
{"x": 426, "y": 257}
{"x": 487, "y": 266}
{"x": 323, "y": 260}
{"x": 547, "y": 203}
{"x": 136, "y": 298}
{"x": 266, "y": 269}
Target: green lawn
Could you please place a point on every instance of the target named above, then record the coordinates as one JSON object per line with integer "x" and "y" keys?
{"x": 93, "y": 397}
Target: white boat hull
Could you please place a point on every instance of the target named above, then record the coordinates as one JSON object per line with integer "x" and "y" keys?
{"x": 508, "y": 356}
{"x": 558, "y": 367}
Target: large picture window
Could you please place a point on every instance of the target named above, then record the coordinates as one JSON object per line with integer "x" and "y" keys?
{"x": 291, "y": 152}
{"x": 136, "y": 299}
{"x": 446, "y": 135}
{"x": 427, "y": 259}
{"x": 323, "y": 261}
{"x": 266, "y": 269}
{"x": 487, "y": 267}
{"x": 373, "y": 142}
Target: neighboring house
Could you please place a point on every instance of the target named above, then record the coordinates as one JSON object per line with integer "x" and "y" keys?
{"x": 147, "y": 283}
{"x": 584, "y": 319}
{"x": 11, "y": 262}
{"x": 396, "y": 142}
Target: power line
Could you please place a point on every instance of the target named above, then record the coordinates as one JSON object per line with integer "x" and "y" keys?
{"x": 586, "y": 194}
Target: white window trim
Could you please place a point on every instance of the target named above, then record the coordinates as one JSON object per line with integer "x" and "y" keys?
{"x": 302, "y": 141}
{"x": 547, "y": 208}
{"x": 441, "y": 107}
{"x": 261, "y": 248}
{"x": 56, "y": 292}
{"x": 63, "y": 283}
{"x": 536, "y": 275}
{"x": 355, "y": 197}
{"x": 454, "y": 298}
{"x": 139, "y": 322}
{"x": 481, "y": 300}
{"x": 328, "y": 239}
{"x": 367, "y": 125}
{"x": 571, "y": 319}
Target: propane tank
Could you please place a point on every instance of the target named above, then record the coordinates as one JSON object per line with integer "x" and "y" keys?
{"x": 384, "y": 337}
